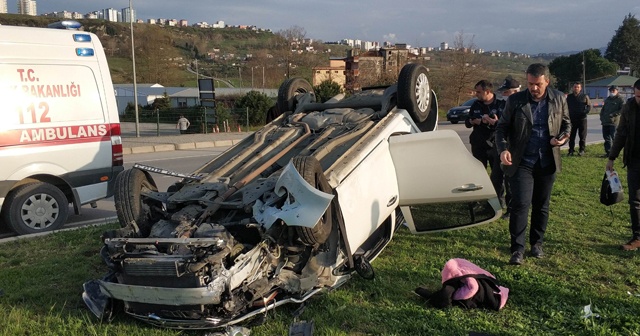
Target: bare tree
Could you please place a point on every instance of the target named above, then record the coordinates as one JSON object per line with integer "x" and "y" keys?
{"x": 465, "y": 68}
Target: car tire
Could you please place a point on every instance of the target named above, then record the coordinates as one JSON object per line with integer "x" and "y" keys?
{"x": 311, "y": 170}
{"x": 35, "y": 207}
{"x": 289, "y": 90}
{"x": 414, "y": 93}
{"x": 130, "y": 205}
{"x": 431, "y": 122}
{"x": 454, "y": 122}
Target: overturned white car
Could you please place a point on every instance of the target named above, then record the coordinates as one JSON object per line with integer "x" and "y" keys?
{"x": 291, "y": 211}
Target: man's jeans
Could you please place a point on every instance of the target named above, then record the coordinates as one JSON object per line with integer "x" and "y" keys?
{"x": 530, "y": 187}
{"x": 633, "y": 183}
{"x": 578, "y": 126}
{"x": 608, "y": 133}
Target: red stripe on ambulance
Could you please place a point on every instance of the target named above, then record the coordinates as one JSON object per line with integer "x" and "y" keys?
{"x": 47, "y": 136}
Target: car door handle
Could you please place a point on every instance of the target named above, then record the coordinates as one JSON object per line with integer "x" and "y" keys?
{"x": 470, "y": 187}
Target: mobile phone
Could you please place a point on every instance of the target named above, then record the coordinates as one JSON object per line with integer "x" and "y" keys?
{"x": 561, "y": 136}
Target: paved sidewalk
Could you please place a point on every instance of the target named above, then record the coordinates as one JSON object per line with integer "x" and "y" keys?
{"x": 167, "y": 138}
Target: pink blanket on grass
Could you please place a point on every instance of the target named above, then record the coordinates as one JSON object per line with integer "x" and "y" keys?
{"x": 460, "y": 267}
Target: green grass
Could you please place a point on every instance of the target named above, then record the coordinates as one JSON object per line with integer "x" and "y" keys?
{"x": 41, "y": 278}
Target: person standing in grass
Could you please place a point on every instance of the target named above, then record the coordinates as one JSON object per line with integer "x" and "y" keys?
{"x": 628, "y": 137}
{"x": 609, "y": 116}
{"x": 579, "y": 107}
{"x": 483, "y": 116}
{"x": 508, "y": 87}
{"x": 529, "y": 134}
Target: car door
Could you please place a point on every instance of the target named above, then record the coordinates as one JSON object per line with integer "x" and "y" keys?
{"x": 441, "y": 185}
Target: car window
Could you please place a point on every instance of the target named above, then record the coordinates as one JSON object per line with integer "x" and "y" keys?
{"x": 469, "y": 102}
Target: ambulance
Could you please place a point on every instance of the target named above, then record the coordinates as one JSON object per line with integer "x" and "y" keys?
{"x": 60, "y": 144}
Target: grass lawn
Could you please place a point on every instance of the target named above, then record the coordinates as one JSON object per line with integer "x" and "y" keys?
{"x": 41, "y": 278}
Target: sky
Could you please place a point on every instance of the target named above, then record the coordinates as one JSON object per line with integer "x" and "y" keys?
{"x": 532, "y": 27}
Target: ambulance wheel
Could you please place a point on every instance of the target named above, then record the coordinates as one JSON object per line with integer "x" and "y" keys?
{"x": 132, "y": 207}
{"x": 35, "y": 207}
{"x": 310, "y": 169}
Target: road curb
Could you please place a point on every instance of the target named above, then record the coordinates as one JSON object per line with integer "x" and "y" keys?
{"x": 76, "y": 226}
{"x": 179, "y": 146}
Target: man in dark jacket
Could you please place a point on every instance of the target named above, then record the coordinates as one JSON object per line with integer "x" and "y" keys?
{"x": 483, "y": 116}
{"x": 579, "y": 107}
{"x": 609, "y": 115}
{"x": 533, "y": 126}
{"x": 628, "y": 137}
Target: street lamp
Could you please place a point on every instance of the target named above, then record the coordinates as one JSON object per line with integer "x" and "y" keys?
{"x": 133, "y": 59}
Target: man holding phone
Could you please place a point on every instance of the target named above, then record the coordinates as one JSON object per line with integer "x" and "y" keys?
{"x": 534, "y": 124}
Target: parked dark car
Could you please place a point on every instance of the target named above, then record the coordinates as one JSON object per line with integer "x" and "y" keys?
{"x": 460, "y": 113}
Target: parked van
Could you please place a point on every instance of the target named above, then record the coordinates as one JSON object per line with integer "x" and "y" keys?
{"x": 60, "y": 138}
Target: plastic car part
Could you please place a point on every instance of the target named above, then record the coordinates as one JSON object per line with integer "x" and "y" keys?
{"x": 311, "y": 171}
{"x": 131, "y": 205}
{"x": 301, "y": 328}
{"x": 364, "y": 268}
{"x": 304, "y": 204}
{"x": 289, "y": 90}
{"x": 414, "y": 93}
{"x": 35, "y": 207}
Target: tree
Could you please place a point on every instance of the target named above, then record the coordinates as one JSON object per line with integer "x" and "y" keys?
{"x": 568, "y": 69}
{"x": 161, "y": 103}
{"x": 624, "y": 47}
{"x": 326, "y": 90}
{"x": 464, "y": 69}
{"x": 258, "y": 103}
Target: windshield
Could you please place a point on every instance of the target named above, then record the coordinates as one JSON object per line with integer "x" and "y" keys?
{"x": 469, "y": 102}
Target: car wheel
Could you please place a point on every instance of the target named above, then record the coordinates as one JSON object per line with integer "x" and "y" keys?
{"x": 35, "y": 207}
{"x": 289, "y": 90}
{"x": 310, "y": 169}
{"x": 414, "y": 93}
{"x": 454, "y": 122}
{"x": 131, "y": 205}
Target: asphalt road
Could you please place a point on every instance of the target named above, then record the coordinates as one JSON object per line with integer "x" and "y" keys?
{"x": 186, "y": 161}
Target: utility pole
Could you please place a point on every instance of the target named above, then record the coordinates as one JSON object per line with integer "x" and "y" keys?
{"x": 584, "y": 77}
{"x": 133, "y": 59}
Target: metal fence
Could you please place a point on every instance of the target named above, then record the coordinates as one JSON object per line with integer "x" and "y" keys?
{"x": 202, "y": 121}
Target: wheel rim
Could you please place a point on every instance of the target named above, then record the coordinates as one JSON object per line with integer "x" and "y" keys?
{"x": 422, "y": 92}
{"x": 40, "y": 211}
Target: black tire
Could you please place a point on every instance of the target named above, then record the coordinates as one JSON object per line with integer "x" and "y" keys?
{"x": 454, "y": 122}
{"x": 311, "y": 171}
{"x": 414, "y": 93}
{"x": 431, "y": 123}
{"x": 35, "y": 207}
{"x": 289, "y": 90}
{"x": 129, "y": 202}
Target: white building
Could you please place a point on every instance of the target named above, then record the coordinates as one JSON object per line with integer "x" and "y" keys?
{"x": 3, "y": 6}
{"x": 110, "y": 14}
{"x": 27, "y": 7}
{"x": 126, "y": 14}
{"x": 219, "y": 24}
